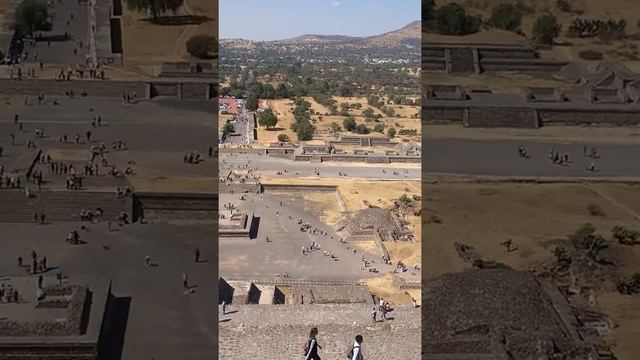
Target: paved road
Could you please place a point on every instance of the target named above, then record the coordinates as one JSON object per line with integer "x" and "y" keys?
{"x": 500, "y": 158}
{"x": 270, "y": 166}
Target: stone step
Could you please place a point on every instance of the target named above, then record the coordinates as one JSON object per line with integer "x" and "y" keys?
{"x": 57, "y": 205}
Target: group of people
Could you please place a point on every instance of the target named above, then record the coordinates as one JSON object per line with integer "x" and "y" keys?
{"x": 312, "y": 347}
{"x": 9, "y": 294}
{"x": 191, "y": 157}
{"x": 37, "y": 265}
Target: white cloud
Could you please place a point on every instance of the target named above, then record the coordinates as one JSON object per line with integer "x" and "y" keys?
{"x": 336, "y": 3}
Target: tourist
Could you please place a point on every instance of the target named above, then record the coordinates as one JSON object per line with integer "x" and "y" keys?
{"x": 374, "y": 313}
{"x": 147, "y": 261}
{"x": 197, "y": 255}
{"x": 224, "y": 307}
{"x": 356, "y": 351}
{"x": 312, "y": 346}
{"x": 185, "y": 281}
{"x": 415, "y": 305}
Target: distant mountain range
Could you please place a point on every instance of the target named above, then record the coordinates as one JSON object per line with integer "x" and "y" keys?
{"x": 408, "y": 35}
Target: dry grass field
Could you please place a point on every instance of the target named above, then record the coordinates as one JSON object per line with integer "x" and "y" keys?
{"x": 142, "y": 54}
{"x": 484, "y": 215}
{"x": 624, "y": 49}
{"x": 283, "y": 109}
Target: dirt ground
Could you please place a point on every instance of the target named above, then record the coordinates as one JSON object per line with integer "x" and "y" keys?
{"x": 283, "y": 109}
{"x": 142, "y": 54}
{"x": 484, "y": 215}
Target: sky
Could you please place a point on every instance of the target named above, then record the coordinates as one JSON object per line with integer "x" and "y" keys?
{"x": 283, "y": 19}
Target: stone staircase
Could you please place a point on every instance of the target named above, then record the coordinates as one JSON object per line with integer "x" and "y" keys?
{"x": 48, "y": 351}
{"x": 57, "y": 205}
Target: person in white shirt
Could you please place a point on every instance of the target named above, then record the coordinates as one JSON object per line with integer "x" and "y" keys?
{"x": 357, "y": 351}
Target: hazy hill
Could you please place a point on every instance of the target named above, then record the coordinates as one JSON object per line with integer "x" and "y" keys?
{"x": 407, "y": 35}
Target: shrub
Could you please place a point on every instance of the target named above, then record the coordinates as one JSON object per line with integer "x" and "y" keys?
{"x": 202, "y": 46}
{"x": 595, "y": 210}
{"x": 391, "y": 132}
{"x": 452, "y": 19}
{"x": 362, "y": 129}
{"x": 546, "y": 29}
{"x": 283, "y": 137}
{"x": 506, "y": 16}
{"x": 378, "y": 128}
{"x": 625, "y": 236}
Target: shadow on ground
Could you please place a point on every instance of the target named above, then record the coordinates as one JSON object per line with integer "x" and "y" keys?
{"x": 113, "y": 341}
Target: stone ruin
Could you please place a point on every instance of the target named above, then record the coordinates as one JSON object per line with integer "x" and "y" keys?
{"x": 67, "y": 321}
{"x": 291, "y": 292}
{"x": 609, "y": 95}
{"x": 504, "y": 314}
{"x": 234, "y": 224}
{"x": 372, "y": 223}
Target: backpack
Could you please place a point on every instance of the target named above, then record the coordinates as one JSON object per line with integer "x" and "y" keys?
{"x": 306, "y": 347}
{"x": 350, "y": 353}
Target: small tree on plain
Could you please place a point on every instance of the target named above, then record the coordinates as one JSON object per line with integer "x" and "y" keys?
{"x": 305, "y": 131}
{"x": 268, "y": 119}
{"x": 506, "y": 16}
{"x": 546, "y": 29}
{"x": 391, "y": 132}
{"x": 349, "y": 123}
{"x": 31, "y": 16}
{"x": 202, "y": 46}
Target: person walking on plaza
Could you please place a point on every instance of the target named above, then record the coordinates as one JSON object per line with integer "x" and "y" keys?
{"x": 224, "y": 307}
{"x": 373, "y": 314}
{"x": 356, "y": 351}
{"x": 312, "y": 346}
{"x": 185, "y": 281}
{"x": 197, "y": 255}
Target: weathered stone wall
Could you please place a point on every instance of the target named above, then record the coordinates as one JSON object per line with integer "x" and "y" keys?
{"x": 158, "y": 206}
{"x": 507, "y": 53}
{"x": 94, "y": 88}
{"x": 578, "y": 117}
{"x": 521, "y": 65}
{"x": 494, "y": 116}
{"x": 440, "y": 113}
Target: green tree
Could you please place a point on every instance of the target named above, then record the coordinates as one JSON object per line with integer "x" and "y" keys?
{"x": 305, "y": 131}
{"x": 546, "y": 29}
{"x": 344, "y": 109}
{"x": 452, "y": 19}
{"x": 228, "y": 128}
{"x": 335, "y": 127}
{"x": 506, "y": 16}
{"x": 268, "y": 119}
{"x": 349, "y": 123}
{"x": 368, "y": 113}
{"x": 202, "y": 46}
{"x": 252, "y": 102}
{"x": 155, "y": 7}
{"x": 391, "y": 132}
{"x": 362, "y": 129}
{"x": 378, "y": 128}
{"x": 428, "y": 10}
{"x": 32, "y": 15}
